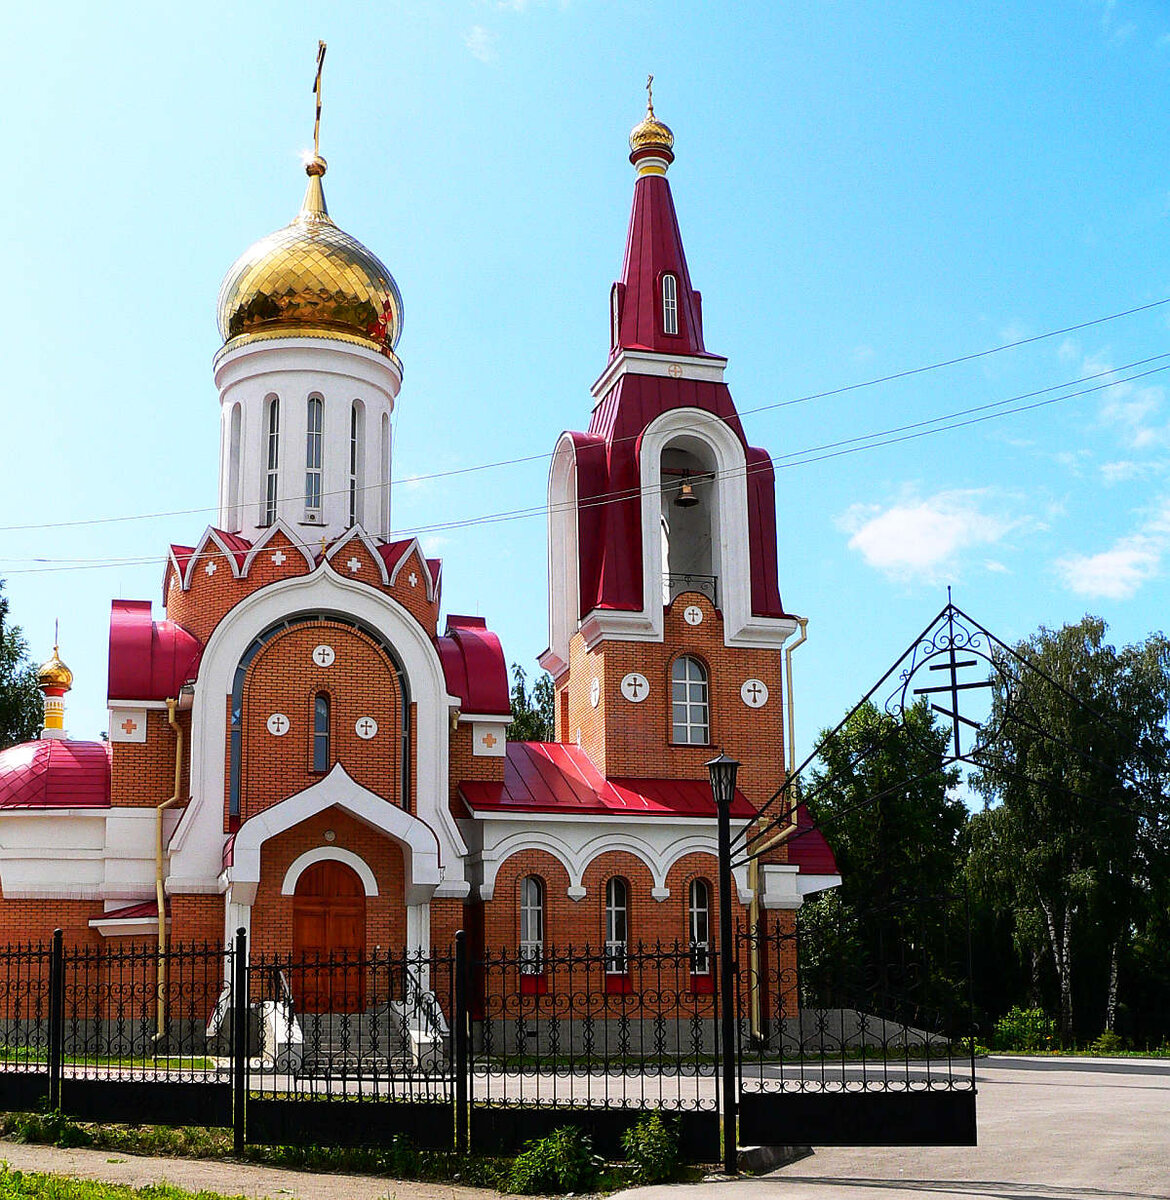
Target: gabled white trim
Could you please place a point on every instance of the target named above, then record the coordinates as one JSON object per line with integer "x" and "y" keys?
{"x": 226, "y": 556}
{"x": 356, "y": 532}
{"x": 279, "y": 526}
{"x": 707, "y": 368}
{"x": 310, "y": 858}
{"x": 197, "y": 845}
{"x": 414, "y": 548}
{"x": 420, "y": 847}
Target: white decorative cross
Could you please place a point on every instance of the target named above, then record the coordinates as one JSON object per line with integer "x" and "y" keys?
{"x": 278, "y": 558}
{"x": 323, "y": 656}
{"x": 366, "y": 728}
{"x": 354, "y": 565}
{"x": 693, "y": 614}
{"x": 277, "y": 724}
{"x": 210, "y": 568}
{"x": 412, "y": 579}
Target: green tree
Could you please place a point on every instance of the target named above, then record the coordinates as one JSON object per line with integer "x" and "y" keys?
{"x": 533, "y": 712}
{"x": 1071, "y": 841}
{"x": 21, "y": 704}
{"x": 883, "y": 796}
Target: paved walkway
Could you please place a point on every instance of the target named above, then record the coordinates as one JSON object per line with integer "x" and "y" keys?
{"x": 1049, "y": 1129}
{"x": 228, "y": 1178}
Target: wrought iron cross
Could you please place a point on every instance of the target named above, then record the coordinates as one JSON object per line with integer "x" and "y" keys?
{"x": 953, "y": 665}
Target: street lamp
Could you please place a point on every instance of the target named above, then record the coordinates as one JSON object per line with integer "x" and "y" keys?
{"x": 722, "y": 771}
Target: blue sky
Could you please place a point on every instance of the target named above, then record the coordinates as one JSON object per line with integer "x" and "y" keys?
{"x": 862, "y": 189}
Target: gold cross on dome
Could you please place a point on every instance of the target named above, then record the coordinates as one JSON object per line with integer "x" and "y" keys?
{"x": 650, "y": 94}
{"x": 317, "y": 93}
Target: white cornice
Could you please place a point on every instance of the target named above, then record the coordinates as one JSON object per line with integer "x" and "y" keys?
{"x": 707, "y": 368}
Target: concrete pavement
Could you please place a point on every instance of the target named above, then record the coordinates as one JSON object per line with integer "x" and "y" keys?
{"x": 1049, "y": 1129}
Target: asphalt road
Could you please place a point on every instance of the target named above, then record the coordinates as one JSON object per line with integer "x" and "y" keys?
{"x": 1049, "y": 1129}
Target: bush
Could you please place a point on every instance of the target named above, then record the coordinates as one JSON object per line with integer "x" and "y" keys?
{"x": 652, "y": 1148}
{"x": 561, "y": 1162}
{"x": 51, "y": 1128}
{"x": 1107, "y": 1043}
{"x": 1025, "y": 1029}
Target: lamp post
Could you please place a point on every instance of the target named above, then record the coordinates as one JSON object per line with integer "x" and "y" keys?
{"x": 722, "y": 771}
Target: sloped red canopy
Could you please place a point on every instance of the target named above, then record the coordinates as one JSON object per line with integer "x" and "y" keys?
{"x": 556, "y": 777}
{"x": 149, "y": 660}
{"x": 55, "y": 774}
{"x": 473, "y": 664}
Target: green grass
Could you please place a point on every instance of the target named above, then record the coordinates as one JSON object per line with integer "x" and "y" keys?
{"x": 32, "y": 1185}
{"x": 171, "y": 1062}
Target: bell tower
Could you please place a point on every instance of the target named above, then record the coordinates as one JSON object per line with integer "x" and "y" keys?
{"x": 665, "y": 619}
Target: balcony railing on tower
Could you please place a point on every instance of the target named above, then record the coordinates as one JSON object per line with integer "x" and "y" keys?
{"x": 674, "y": 583}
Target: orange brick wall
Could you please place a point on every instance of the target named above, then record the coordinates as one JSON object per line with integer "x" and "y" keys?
{"x": 142, "y": 774}
{"x": 283, "y": 678}
{"x": 272, "y": 913}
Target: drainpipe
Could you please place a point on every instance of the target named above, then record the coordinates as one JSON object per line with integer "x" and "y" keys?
{"x": 755, "y": 871}
{"x": 160, "y": 873}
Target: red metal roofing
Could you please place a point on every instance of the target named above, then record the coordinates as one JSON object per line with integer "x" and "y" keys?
{"x": 808, "y": 849}
{"x": 391, "y": 552}
{"x": 238, "y": 546}
{"x": 653, "y": 248}
{"x": 133, "y": 912}
{"x": 55, "y": 773}
{"x": 560, "y": 777}
{"x": 149, "y": 660}
{"x": 474, "y": 667}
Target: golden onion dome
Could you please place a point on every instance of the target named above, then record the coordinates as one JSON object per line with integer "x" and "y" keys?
{"x": 311, "y": 279}
{"x": 55, "y": 674}
{"x": 650, "y": 135}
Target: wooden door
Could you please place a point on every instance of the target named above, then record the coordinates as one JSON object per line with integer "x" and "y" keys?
{"x": 329, "y": 939}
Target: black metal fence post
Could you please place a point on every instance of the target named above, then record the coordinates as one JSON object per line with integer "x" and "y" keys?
{"x": 239, "y": 1038}
{"x": 56, "y": 1017}
{"x": 728, "y": 1046}
{"x": 461, "y": 1026}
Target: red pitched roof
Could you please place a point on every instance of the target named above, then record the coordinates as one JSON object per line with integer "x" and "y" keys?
{"x": 55, "y": 773}
{"x": 149, "y": 660}
{"x": 473, "y": 664}
{"x": 559, "y": 777}
{"x": 808, "y": 849}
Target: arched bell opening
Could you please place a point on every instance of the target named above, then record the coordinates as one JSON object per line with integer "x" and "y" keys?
{"x": 689, "y": 519}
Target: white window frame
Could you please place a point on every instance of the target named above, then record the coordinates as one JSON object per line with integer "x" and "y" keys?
{"x": 617, "y": 925}
{"x": 322, "y": 737}
{"x": 670, "y": 303}
{"x": 615, "y": 316}
{"x": 272, "y": 462}
{"x": 314, "y": 427}
{"x": 531, "y": 925}
{"x": 690, "y": 712}
{"x": 357, "y": 419}
{"x": 699, "y": 926}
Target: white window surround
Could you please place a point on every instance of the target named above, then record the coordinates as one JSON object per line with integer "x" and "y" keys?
{"x": 577, "y": 843}
{"x": 196, "y": 859}
{"x": 564, "y": 569}
{"x": 670, "y": 303}
{"x": 318, "y": 854}
{"x": 731, "y": 546}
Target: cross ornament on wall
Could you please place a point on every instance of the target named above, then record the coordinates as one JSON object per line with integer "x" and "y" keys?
{"x": 278, "y": 558}
{"x": 128, "y": 726}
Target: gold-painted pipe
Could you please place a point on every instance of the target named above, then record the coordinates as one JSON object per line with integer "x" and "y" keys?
{"x": 755, "y": 1015}
{"x": 160, "y": 873}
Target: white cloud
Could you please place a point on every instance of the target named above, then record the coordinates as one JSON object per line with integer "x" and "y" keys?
{"x": 1126, "y": 470}
{"x": 1132, "y": 560}
{"x": 432, "y": 543}
{"x": 482, "y": 43}
{"x": 922, "y": 539}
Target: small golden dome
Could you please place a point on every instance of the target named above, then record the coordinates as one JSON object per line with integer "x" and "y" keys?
{"x": 650, "y": 137}
{"x": 55, "y": 674}
{"x": 311, "y": 279}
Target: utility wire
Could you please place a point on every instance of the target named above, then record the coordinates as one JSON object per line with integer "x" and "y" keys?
{"x": 528, "y": 458}
{"x": 813, "y": 454}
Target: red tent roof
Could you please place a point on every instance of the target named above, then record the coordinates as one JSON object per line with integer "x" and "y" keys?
{"x": 558, "y": 777}
{"x": 808, "y": 848}
{"x": 55, "y": 774}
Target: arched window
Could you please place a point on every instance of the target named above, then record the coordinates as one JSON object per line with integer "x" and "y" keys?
{"x": 233, "y": 487}
{"x": 688, "y": 687}
{"x": 699, "y": 914}
{"x": 313, "y": 456}
{"x": 617, "y": 925}
{"x": 321, "y": 732}
{"x": 357, "y": 438}
{"x": 615, "y": 315}
{"x": 669, "y": 304}
{"x": 272, "y": 461}
{"x": 384, "y": 463}
{"x": 531, "y": 925}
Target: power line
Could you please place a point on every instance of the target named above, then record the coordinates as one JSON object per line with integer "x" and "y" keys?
{"x": 528, "y": 458}
{"x": 813, "y": 454}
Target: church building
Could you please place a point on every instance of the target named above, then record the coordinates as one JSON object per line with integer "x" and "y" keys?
{"x": 304, "y": 742}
